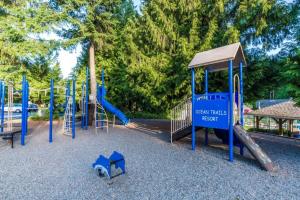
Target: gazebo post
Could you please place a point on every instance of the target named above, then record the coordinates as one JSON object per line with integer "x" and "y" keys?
{"x": 257, "y": 122}
{"x": 290, "y": 125}
{"x": 280, "y": 127}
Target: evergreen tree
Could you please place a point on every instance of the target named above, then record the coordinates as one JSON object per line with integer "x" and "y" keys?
{"x": 91, "y": 24}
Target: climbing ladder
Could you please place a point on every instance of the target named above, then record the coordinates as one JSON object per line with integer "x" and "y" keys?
{"x": 101, "y": 119}
{"x": 68, "y": 119}
{"x": 84, "y": 107}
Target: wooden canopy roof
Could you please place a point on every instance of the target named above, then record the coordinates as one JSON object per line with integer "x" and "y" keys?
{"x": 285, "y": 110}
{"x": 217, "y": 59}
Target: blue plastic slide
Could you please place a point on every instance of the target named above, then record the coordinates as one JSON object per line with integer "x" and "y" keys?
{"x": 101, "y": 93}
{"x": 112, "y": 109}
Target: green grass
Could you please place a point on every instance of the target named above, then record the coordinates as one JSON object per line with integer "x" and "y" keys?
{"x": 145, "y": 115}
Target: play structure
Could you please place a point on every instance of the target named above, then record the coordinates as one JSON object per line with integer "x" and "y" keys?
{"x": 7, "y": 91}
{"x": 220, "y": 111}
{"x": 103, "y": 104}
{"x": 8, "y": 129}
{"x": 104, "y": 166}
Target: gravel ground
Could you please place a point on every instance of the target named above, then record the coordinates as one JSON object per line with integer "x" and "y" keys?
{"x": 155, "y": 168}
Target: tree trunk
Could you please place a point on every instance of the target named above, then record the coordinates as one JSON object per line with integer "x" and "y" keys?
{"x": 93, "y": 83}
{"x": 92, "y": 71}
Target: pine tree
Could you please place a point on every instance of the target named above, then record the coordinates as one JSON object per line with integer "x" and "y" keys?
{"x": 91, "y": 24}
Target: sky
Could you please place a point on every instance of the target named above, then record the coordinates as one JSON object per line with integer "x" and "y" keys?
{"x": 68, "y": 59}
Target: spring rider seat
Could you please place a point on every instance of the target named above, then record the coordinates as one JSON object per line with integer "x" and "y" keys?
{"x": 104, "y": 165}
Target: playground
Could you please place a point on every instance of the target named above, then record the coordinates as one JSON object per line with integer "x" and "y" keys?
{"x": 155, "y": 169}
{"x": 202, "y": 152}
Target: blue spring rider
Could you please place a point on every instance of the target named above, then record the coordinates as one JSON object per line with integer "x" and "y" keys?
{"x": 104, "y": 165}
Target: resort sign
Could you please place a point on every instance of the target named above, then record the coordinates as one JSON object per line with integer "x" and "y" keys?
{"x": 211, "y": 111}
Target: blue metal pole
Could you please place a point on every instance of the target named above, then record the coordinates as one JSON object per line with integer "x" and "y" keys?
{"x": 193, "y": 112}
{"x": 26, "y": 106}
{"x": 83, "y": 106}
{"x": 103, "y": 85}
{"x": 51, "y": 111}
{"x": 206, "y": 93}
{"x": 23, "y": 133}
{"x": 2, "y": 105}
{"x": 241, "y": 103}
{"x": 73, "y": 109}
{"x": 241, "y": 94}
{"x": 87, "y": 99}
{"x": 97, "y": 97}
{"x": 230, "y": 74}
{"x": 102, "y": 95}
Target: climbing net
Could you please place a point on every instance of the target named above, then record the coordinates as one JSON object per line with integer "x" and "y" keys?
{"x": 68, "y": 117}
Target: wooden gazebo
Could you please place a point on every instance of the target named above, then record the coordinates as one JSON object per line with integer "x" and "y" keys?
{"x": 283, "y": 112}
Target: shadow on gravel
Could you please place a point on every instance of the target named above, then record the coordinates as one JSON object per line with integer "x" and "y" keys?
{"x": 159, "y": 129}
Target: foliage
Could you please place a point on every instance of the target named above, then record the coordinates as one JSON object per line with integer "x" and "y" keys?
{"x": 149, "y": 71}
{"x": 23, "y": 49}
{"x": 145, "y": 55}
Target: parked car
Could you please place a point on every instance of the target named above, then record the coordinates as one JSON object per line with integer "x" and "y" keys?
{"x": 33, "y": 108}
{"x": 17, "y": 107}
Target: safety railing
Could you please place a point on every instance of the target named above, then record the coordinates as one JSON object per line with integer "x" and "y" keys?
{"x": 181, "y": 116}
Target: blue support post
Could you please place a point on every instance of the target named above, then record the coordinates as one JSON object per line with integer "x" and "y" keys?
{"x": 87, "y": 99}
{"x": 103, "y": 86}
{"x": 23, "y": 132}
{"x": 230, "y": 76}
{"x": 241, "y": 103}
{"x": 73, "y": 109}
{"x": 83, "y": 104}
{"x": 102, "y": 95}
{"x": 51, "y": 111}
{"x": 2, "y": 105}
{"x": 193, "y": 103}
{"x": 1, "y": 102}
{"x": 97, "y": 99}
{"x": 26, "y": 107}
{"x": 241, "y": 94}
{"x": 206, "y": 92}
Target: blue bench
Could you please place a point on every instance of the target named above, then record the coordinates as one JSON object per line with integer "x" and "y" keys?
{"x": 104, "y": 165}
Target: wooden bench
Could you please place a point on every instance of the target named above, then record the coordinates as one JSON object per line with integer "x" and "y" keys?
{"x": 10, "y": 135}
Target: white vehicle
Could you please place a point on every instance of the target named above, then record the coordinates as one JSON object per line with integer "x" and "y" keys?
{"x": 17, "y": 107}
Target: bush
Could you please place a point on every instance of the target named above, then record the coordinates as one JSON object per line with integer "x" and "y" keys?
{"x": 45, "y": 116}
{"x": 145, "y": 115}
